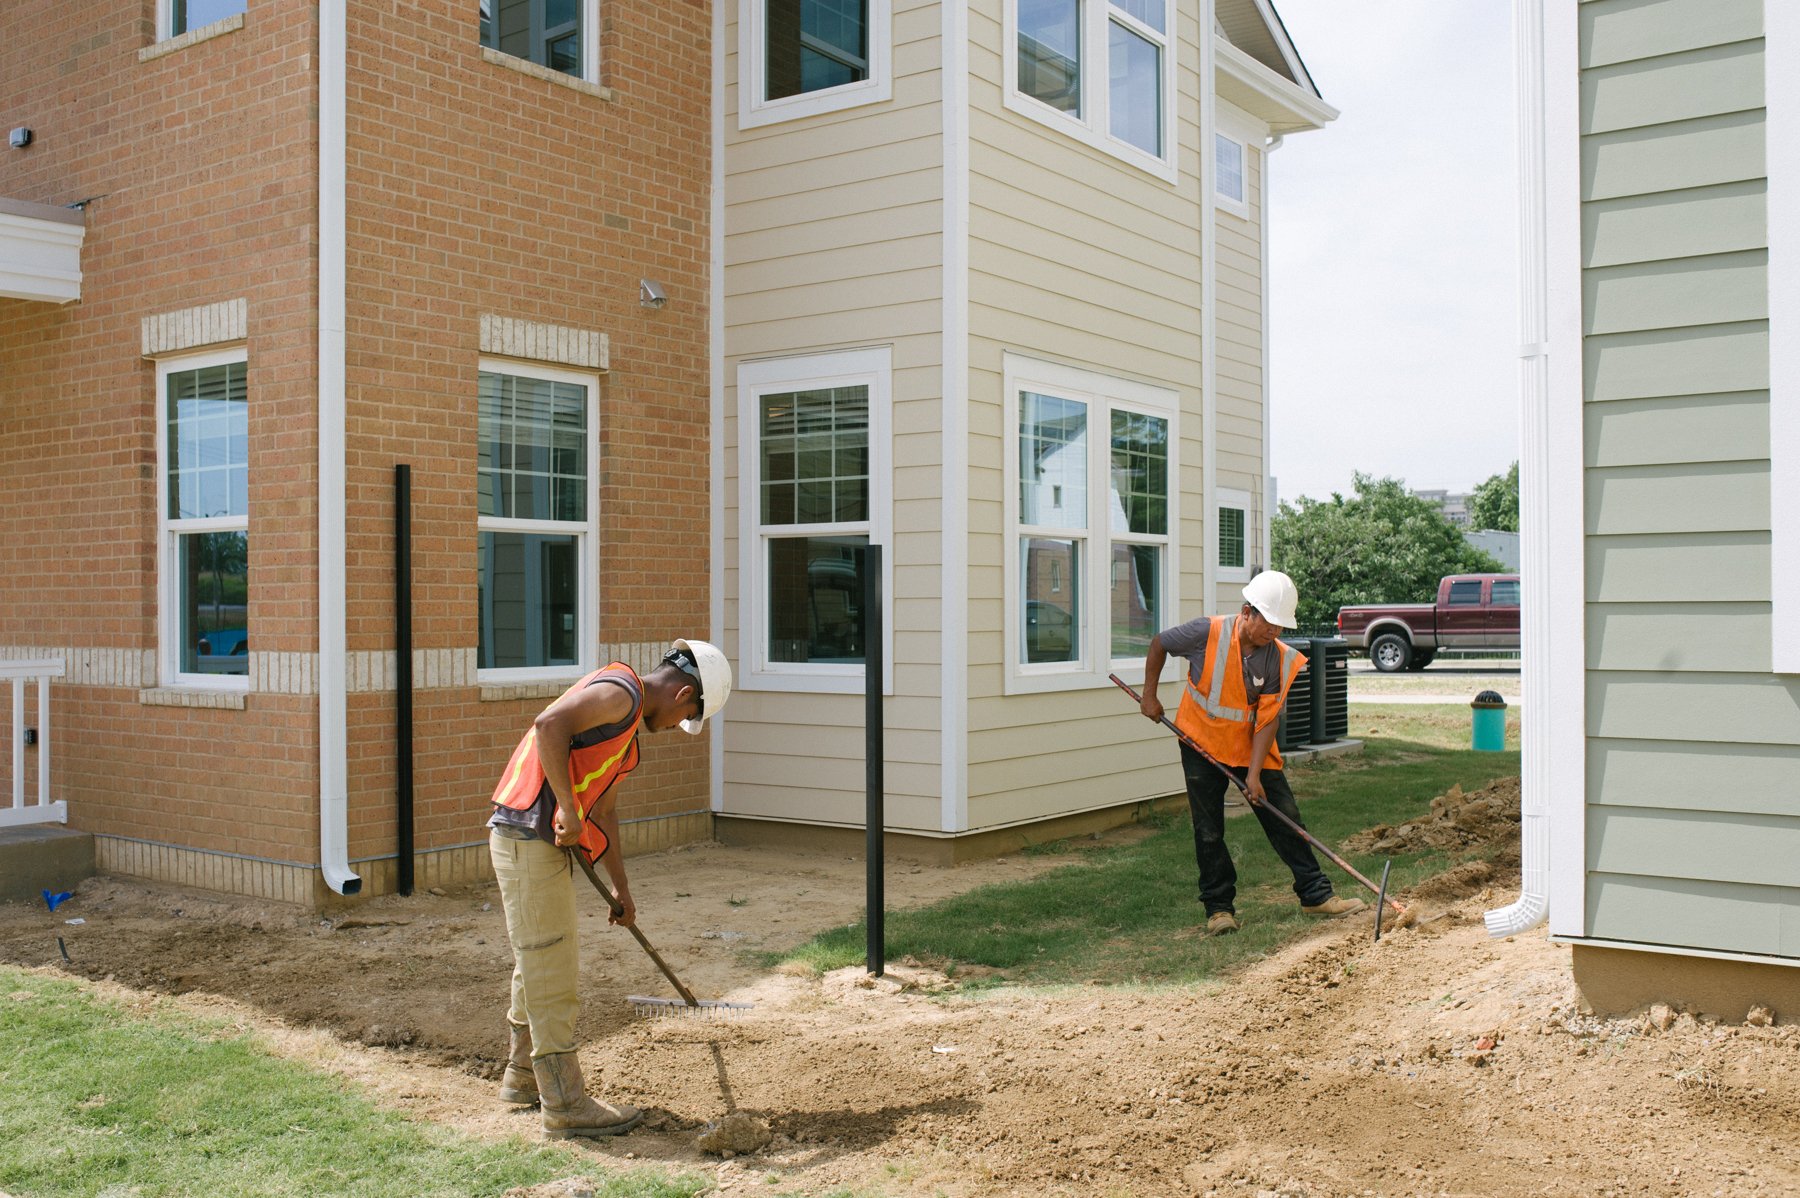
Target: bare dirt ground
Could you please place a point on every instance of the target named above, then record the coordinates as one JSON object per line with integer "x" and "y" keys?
{"x": 1436, "y": 1062}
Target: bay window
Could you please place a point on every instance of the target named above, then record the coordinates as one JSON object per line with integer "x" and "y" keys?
{"x": 1090, "y": 472}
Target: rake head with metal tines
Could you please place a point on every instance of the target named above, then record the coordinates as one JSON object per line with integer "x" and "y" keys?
{"x": 675, "y": 1008}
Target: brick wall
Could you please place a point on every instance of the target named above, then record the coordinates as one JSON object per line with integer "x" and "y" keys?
{"x": 474, "y": 189}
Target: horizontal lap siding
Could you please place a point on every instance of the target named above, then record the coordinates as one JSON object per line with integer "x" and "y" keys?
{"x": 1694, "y": 799}
{"x": 1077, "y": 258}
{"x": 834, "y": 240}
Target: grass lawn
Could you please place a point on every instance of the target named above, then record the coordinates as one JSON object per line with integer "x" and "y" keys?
{"x": 1127, "y": 914}
{"x": 95, "y": 1100}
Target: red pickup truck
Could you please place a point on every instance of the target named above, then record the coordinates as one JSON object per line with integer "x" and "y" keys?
{"x": 1473, "y": 611}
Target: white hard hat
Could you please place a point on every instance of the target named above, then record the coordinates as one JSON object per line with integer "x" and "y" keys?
{"x": 1272, "y": 593}
{"x": 713, "y": 673}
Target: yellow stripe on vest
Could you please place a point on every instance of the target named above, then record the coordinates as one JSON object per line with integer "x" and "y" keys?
{"x": 604, "y": 767}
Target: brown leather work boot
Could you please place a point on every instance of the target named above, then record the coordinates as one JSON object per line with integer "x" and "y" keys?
{"x": 568, "y": 1111}
{"x": 518, "y": 1084}
{"x": 1336, "y": 906}
{"x": 1221, "y": 923}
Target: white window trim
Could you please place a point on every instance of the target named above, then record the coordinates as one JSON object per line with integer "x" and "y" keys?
{"x": 1222, "y": 201}
{"x": 590, "y": 46}
{"x": 1781, "y": 32}
{"x": 1103, "y": 394}
{"x": 1093, "y": 128}
{"x": 168, "y": 586}
{"x": 869, "y": 367}
{"x": 165, "y": 21}
{"x": 1229, "y": 497}
{"x": 754, "y": 111}
{"x": 587, "y": 558}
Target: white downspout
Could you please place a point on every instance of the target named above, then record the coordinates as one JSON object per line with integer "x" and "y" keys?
{"x": 334, "y": 797}
{"x": 1534, "y": 483}
{"x": 953, "y": 620}
{"x": 1268, "y": 424}
{"x": 1209, "y": 221}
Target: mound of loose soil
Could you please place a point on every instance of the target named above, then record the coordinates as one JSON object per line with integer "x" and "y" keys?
{"x": 1457, "y": 821}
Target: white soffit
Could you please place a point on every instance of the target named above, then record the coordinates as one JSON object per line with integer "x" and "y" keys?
{"x": 40, "y": 252}
{"x": 1254, "y": 27}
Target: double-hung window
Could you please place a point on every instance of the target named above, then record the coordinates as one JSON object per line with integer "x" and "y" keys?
{"x": 185, "y": 16}
{"x": 813, "y": 456}
{"x": 537, "y": 491}
{"x": 203, "y": 452}
{"x": 1100, "y": 70}
{"x": 804, "y": 57}
{"x": 1090, "y": 472}
{"x": 562, "y": 35}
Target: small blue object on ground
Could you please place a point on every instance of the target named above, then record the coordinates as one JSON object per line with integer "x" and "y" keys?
{"x": 1489, "y": 732}
{"x": 53, "y": 901}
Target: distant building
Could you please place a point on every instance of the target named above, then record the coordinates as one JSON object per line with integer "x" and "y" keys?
{"x": 1503, "y": 547}
{"x": 1454, "y": 505}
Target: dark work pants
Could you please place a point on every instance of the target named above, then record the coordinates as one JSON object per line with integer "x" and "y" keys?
{"x": 1218, "y": 876}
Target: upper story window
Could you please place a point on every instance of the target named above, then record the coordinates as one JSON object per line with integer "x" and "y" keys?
{"x": 562, "y": 35}
{"x": 1055, "y": 76}
{"x": 536, "y": 494}
{"x": 804, "y": 57}
{"x": 1234, "y": 535}
{"x": 814, "y": 460}
{"x": 204, "y": 520}
{"x": 184, "y": 16}
{"x": 1231, "y": 189}
{"x": 1090, "y": 556}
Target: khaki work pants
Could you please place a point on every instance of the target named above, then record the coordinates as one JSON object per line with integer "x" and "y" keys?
{"x": 537, "y": 891}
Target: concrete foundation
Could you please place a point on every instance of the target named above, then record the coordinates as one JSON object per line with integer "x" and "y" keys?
{"x": 43, "y": 857}
{"x": 1617, "y": 982}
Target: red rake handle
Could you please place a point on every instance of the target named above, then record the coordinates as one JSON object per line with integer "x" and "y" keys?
{"x": 1269, "y": 807}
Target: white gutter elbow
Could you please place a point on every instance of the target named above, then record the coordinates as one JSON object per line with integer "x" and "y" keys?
{"x": 1534, "y": 878}
{"x": 334, "y": 797}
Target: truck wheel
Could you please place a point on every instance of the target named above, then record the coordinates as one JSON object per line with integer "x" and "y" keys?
{"x": 1390, "y": 653}
{"x": 1421, "y": 658}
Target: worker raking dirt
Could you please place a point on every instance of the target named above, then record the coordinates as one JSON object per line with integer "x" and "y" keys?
{"x": 556, "y": 799}
{"x": 1238, "y": 676}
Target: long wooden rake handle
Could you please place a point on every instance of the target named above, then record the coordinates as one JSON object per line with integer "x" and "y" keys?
{"x": 618, "y": 908}
{"x": 1273, "y": 810}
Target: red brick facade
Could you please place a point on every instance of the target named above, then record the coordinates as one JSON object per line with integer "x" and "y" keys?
{"x": 473, "y": 190}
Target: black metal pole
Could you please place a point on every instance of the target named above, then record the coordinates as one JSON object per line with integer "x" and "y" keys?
{"x": 403, "y": 677}
{"x": 875, "y": 818}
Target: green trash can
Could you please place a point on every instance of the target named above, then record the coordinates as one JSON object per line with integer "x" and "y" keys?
{"x": 1489, "y": 732}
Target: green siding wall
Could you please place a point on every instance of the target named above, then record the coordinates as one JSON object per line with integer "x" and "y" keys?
{"x": 1693, "y": 752}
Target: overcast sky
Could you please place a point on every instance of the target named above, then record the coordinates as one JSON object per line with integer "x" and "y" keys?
{"x": 1393, "y": 250}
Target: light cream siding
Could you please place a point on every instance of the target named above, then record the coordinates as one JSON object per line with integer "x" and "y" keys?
{"x": 1239, "y": 367}
{"x": 1693, "y": 758}
{"x": 833, "y": 240}
{"x": 1080, "y": 259}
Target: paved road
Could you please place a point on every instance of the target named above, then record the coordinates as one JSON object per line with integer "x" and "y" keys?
{"x": 1447, "y": 667}
{"x": 1451, "y": 680}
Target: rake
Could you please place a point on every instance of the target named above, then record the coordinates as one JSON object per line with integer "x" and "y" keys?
{"x": 687, "y": 1006}
{"x": 1404, "y": 916}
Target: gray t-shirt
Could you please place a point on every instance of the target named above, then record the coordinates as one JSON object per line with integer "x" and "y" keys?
{"x": 1262, "y": 667}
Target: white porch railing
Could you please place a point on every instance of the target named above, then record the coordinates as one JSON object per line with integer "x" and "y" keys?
{"x": 43, "y": 811}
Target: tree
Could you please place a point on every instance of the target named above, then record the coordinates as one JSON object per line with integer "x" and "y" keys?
{"x": 1495, "y": 503}
{"x": 1381, "y": 545}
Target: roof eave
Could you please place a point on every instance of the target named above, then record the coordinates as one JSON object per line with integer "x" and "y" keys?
{"x": 1284, "y": 105}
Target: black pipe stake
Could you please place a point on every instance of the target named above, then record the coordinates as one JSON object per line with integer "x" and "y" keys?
{"x": 403, "y": 683}
{"x": 64, "y": 948}
{"x": 875, "y": 819}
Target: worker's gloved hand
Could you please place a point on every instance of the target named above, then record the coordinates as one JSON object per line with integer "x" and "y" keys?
{"x": 568, "y": 830}
{"x": 1152, "y": 707}
{"x": 627, "y": 913}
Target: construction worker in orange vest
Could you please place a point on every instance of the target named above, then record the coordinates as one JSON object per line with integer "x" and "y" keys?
{"x": 558, "y": 796}
{"x": 1238, "y": 676}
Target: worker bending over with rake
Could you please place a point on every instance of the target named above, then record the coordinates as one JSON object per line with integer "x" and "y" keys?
{"x": 558, "y": 796}
{"x": 1238, "y": 676}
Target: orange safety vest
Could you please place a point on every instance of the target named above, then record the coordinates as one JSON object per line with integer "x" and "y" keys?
{"x": 1215, "y": 707}
{"x": 592, "y": 768}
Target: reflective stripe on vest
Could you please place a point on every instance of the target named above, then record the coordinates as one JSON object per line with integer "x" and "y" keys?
{"x": 1212, "y": 702}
